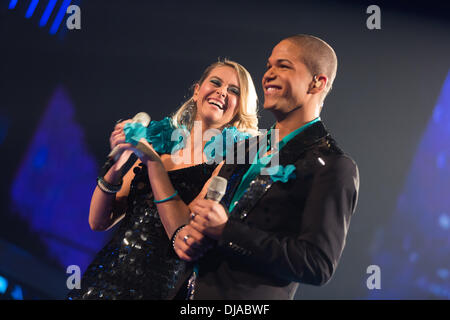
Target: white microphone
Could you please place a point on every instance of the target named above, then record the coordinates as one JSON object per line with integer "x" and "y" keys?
{"x": 142, "y": 118}
{"x": 216, "y": 188}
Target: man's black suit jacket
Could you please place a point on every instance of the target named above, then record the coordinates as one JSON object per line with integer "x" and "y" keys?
{"x": 295, "y": 232}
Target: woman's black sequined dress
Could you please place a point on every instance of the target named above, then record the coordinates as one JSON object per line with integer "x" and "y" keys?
{"x": 139, "y": 261}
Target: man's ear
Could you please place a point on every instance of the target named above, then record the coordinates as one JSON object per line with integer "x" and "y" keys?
{"x": 318, "y": 83}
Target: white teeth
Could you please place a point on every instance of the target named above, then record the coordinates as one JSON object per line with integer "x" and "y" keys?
{"x": 272, "y": 89}
{"x": 216, "y": 103}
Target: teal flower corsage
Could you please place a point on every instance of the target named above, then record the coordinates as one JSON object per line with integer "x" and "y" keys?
{"x": 282, "y": 173}
{"x": 218, "y": 145}
{"x": 159, "y": 133}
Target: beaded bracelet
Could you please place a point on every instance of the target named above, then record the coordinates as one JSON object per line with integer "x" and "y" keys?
{"x": 166, "y": 199}
{"x": 174, "y": 236}
{"x": 108, "y": 187}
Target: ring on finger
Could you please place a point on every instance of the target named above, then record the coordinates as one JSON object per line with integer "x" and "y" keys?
{"x": 192, "y": 215}
{"x": 186, "y": 237}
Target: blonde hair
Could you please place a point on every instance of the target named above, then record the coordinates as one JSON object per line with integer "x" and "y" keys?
{"x": 246, "y": 118}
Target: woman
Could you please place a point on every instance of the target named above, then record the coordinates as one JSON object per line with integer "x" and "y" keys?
{"x": 140, "y": 262}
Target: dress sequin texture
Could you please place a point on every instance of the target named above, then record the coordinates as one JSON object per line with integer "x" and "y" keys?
{"x": 139, "y": 262}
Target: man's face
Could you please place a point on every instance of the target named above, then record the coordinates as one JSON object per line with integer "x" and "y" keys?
{"x": 287, "y": 79}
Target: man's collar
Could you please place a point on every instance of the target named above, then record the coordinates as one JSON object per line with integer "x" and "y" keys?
{"x": 288, "y": 154}
{"x": 295, "y": 147}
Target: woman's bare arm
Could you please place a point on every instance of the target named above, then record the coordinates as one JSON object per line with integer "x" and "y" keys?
{"x": 108, "y": 209}
{"x": 176, "y": 212}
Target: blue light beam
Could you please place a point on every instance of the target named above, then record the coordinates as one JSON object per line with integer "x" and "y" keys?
{"x": 3, "y": 285}
{"x": 59, "y": 17}
{"x": 31, "y": 9}
{"x": 48, "y": 11}
{"x": 12, "y": 4}
{"x": 17, "y": 293}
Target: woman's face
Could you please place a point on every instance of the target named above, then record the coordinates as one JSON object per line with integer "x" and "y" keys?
{"x": 217, "y": 97}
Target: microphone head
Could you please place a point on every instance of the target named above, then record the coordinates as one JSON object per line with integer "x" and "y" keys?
{"x": 142, "y": 118}
{"x": 217, "y": 188}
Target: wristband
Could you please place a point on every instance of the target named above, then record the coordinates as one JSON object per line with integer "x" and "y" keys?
{"x": 108, "y": 187}
{"x": 166, "y": 199}
{"x": 174, "y": 236}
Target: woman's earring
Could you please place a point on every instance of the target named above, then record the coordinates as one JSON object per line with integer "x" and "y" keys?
{"x": 188, "y": 115}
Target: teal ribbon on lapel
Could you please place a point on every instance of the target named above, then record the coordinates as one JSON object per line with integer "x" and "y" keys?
{"x": 259, "y": 163}
{"x": 282, "y": 173}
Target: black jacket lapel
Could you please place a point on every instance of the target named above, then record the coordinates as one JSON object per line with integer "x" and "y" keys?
{"x": 262, "y": 183}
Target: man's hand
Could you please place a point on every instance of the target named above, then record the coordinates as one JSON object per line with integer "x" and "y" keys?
{"x": 209, "y": 218}
{"x": 190, "y": 245}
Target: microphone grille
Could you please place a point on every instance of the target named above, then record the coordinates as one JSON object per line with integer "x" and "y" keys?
{"x": 217, "y": 188}
{"x": 142, "y": 118}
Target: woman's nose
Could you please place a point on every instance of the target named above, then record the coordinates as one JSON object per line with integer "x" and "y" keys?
{"x": 222, "y": 91}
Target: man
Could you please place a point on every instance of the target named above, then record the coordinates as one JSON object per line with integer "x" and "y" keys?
{"x": 280, "y": 232}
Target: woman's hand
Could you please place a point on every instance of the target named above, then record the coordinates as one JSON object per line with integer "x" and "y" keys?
{"x": 118, "y": 136}
{"x": 190, "y": 245}
{"x": 143, "y": 150}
